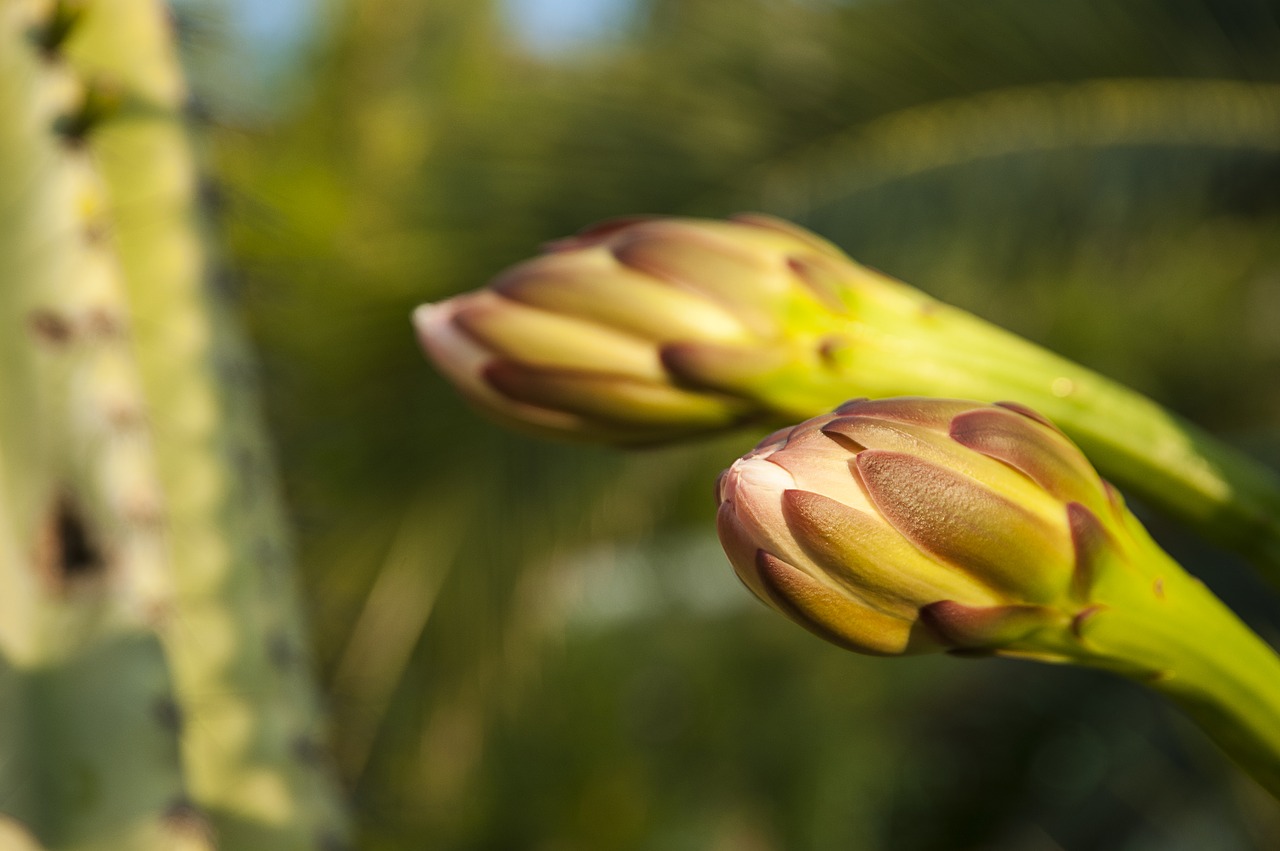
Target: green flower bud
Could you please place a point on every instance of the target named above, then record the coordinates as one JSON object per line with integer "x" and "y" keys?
{"x": 908, "y": 525}
{"x": 642, "y": 330}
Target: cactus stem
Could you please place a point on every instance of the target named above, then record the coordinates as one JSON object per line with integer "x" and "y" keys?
{"x": 247, "y": 699}
{"x": 100, "y": 100}
{"x": 309, "y": 751}
{"x": 280, "y": 650}
{"x": 49, "y": 327}
{"x": 183, "y": 818}
{"x": 79, "y": 574}
{"x": 168, "y": 714}
{"x": 50, "y": 35}
{"x": 68, "y": 548}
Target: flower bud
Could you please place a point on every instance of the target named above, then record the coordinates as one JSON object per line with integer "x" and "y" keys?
{"x": 641, "y": 330}
{"x": 907, "y": 525}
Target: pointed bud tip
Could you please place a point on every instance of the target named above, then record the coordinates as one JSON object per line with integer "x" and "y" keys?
{"x": 976, "y": 627}
{"x": 720, "y": 367}
{"x": 1019, "y": 408}
{"x": 596, "y": 233}
{"x": 429, "y": 315}
{"x": 453, "y": 352}
{"x": 829, "y": 614}
{"x": 1092, "y": 544}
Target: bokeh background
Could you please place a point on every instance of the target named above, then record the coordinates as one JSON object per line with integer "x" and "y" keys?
{"x": 538, "y": 646}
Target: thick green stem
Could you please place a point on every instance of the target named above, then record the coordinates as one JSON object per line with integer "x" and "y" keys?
{"x": 1148, "y": 619}
{"x": 1182, "y": 641}
{"x": 912, "y": 345}
{"x": 1229, "y": 683}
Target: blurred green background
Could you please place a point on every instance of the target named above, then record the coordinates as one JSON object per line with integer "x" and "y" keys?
{"x": 538, "y": 646}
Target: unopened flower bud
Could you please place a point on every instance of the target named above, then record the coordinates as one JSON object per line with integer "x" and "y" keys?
{"x": 907, "y": 525}
{"x": 641, "y": 330}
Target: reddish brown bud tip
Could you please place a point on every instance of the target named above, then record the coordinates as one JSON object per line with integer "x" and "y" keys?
{"x": 1047, "y": 458}
{"x": 1093, "y": 546}
{"x": 970, "y": 627}
{"x": 1019, "y": 408}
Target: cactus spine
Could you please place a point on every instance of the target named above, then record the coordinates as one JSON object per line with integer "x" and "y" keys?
{"x": 146, "y": 573}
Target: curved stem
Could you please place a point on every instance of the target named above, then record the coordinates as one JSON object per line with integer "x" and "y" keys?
{"x": 1161, "y": 626}
{"x": 910, "y": 344}
{"x": 1186, "y": 644}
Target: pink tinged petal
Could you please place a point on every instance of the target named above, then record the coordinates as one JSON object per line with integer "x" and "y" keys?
{"x": 541, "y": 339}
{"x": 860, "y": 431}
{"x": 957, "y": 519}
{"x": 1019, "y": 408}
{"x": 923, "y": 411}
{"x": 739, "y": 545}
{"x": 973, "y": 627}
{"x": 868, "y": 556}
{"x": 850, "y": 406}
{"x": 837, "y": 617}
{"x": 1093, "y": 545}
{"x": 458, "y": 356}
{"x": 771, "y": 444}
{"x": 1045, "y": 456}
{"x": 811, "y": 430}
{"x": 746, "y": 282}
{"x": 733, "y": 369}
{"x": 591, "y": 285}
{"x": 464, "y": 363}
{"x": 820, "y": 465}
{"x": 610, "y": 398}
{"x": 754, "y": 488}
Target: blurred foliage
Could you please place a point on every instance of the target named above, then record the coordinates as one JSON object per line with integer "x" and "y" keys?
{"x": 538, "y": 646}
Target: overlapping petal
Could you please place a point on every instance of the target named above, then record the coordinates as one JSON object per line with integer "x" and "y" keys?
{"x": 610, "y": 334}
{"x": 904, "y": 525}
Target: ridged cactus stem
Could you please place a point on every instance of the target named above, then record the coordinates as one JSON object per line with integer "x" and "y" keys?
{"x": 89, "y": 751}
{"x": 254, "y": 742}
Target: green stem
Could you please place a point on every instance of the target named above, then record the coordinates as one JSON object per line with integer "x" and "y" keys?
{"x": 1146, "y": 618}
{"x": 1186, "y": 644}
{"x": 912, "y": 345}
